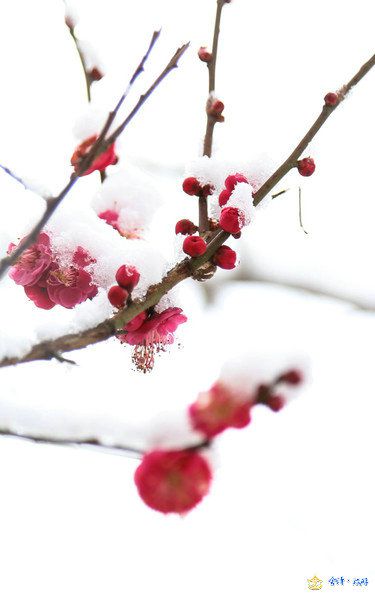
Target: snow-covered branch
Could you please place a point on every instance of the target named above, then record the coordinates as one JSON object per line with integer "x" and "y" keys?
{"x": 99, "y": 147}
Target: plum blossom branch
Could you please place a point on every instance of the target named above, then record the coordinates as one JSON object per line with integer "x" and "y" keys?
{"x": 91, "y": 442}
{"x": 100, "y": 145}
{"x": 46, "y": 350}
{"x": 326, "y": 111}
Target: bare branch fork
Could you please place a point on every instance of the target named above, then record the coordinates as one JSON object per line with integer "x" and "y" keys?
{"x": 100, "y": 145}
{"x": 46, "y": 350}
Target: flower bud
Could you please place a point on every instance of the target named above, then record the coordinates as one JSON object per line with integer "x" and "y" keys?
{"x": 127, "y": 277}
{"x": 117, "y": 296}
{"x": 306, "y": 167}
{"x": 225, "y": 258}
{"x": 194, "y": 245}
{"x": 204, "y": 54}
{"x": 231, "y": 220}
{"x": 224, "y": 197}
{"x": 185, "y": 227}
{"x": 331, "y": 99}
{"x": 232, "y": 180}
{"x": 191, "y": 186}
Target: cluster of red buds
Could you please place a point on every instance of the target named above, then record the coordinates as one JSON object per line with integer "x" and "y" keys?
{"x": 101, "y": 162}
{"x": 127, "y": 278}
{"x": 231, "y": 218}
{"x": 175, "y": 481}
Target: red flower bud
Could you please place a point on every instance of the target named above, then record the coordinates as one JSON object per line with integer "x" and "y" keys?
{"x": 191, "y": 186}
{"x": 127, "y": 277}
{"x": 292, "y": 377}
{"x": 231, "y": 220}
{"x": 204, "y": 54}
{"x": 215, "y": 109}
{"x": 95, "y": 74}
{"x": 207, "y": 190}
{"x": 194, "y": 245}
{"x": 276, "y": 402}
{"x": 331, "y": 99}
{"x": 173, "y": 481}
{"x": 306, "y": 167}
{"x": 117, "y": 296}
{"x": 232, "y": 180}
{"x": 225, "y": 258}
{"x": 185, "y": 227}
{"x": 224, "y": 197}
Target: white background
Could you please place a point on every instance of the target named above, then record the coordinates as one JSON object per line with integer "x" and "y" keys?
{"x": 293, "y": 494}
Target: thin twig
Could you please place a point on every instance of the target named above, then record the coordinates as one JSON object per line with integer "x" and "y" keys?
{"x": 92, "y": 443}
{"x": 86, "y": 72}
{"x": 98, "y": 147}
{"x": 27, "y": 186}
{"x": 211, "y": 120}
{"x": 326, "y": 111}
{"x": 300, "y": 210}
{"x": 181, "y": 271}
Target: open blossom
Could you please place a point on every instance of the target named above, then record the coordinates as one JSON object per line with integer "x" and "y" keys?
{"x": 33, "y": 262}
{"x": 219, "y": 408}
{"x": 39, "y": 295}
{"x": 152, "y": 335}
{"x": 69, "y": 286}
{"x": 101, "y": 162}
{"x": 173, "y": 481}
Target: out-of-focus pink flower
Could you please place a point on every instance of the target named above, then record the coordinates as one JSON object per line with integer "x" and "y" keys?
{"x": 219, "y": 408}
{"x": 32, "y": 263}
{"x": 152, "y": 336}
{"x": 173, "y": 481}
{"x": 69, "y": 286}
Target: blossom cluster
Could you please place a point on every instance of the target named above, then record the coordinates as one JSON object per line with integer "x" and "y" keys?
{"x": 175, "y": 481}
{"x": 49, "y": 282}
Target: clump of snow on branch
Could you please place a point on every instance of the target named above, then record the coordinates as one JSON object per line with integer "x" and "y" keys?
{"x": 91, "y": 57}
{"x": 132, "y": 195}
{"x": 91, "y": 121}
{"x": 214, "y": 171}
{"x": 75, "y": 227}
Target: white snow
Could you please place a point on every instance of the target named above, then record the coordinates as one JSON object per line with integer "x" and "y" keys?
{"x": 133, "y": 194}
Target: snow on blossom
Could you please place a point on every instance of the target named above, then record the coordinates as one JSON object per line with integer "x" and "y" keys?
{"x": 215, "y": 170}
{"x": 79, "y": 226}
{"x": 242, "y": 198}
{"x": 132, "y": 196}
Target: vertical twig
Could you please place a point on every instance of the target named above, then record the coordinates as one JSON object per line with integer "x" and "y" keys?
{"x": 211, "y": 120}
